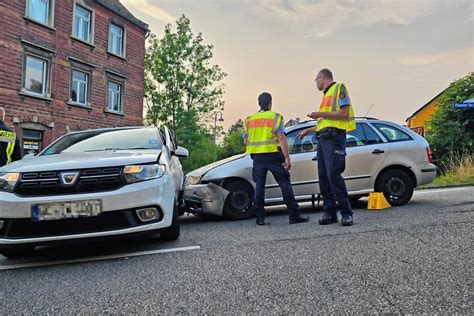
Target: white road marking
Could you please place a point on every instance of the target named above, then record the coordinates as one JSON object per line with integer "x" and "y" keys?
{"x": 442, "y": 190}
{"x": 97, "y": 258}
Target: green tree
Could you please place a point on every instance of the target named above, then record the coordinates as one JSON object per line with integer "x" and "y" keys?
{"x": 233, "y": 143}
{"x": 180, "y": 78}
{"x": 451, "y": 130}
{"x": 183, "y": 88}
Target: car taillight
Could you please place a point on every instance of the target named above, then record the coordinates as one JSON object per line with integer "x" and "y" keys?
{"x": 428, "y": 153}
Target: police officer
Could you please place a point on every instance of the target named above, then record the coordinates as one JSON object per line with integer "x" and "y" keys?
{"x": 10, "y": 149}
{"x": 335, "y": 117}
{"x": 266, "y": 143}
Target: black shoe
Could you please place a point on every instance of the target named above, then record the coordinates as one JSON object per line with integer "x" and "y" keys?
{"x": 347, "y": 220}
{"x": 299, "y": 219}
{"x": 260, "y": 221}
{"x": 328, "y": 219}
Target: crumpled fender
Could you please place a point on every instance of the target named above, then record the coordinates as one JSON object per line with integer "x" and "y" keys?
{"x": 210, "y": 195}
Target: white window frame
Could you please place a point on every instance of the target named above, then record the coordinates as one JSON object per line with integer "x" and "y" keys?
{"x": 50, "y": 13}
{"x": 111, "y": 37}
{"x": 45, "y": 76}
{"x": 78, "y": 82}
{"x": 75, "y": 32}
{"x": 120, "y": 94}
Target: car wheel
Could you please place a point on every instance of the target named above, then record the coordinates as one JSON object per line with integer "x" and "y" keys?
{"x": 17, "y": 252}
{"x": 172, "y": 232}
{"x": 239, "y": 202}
{"x": 396, "y": 185}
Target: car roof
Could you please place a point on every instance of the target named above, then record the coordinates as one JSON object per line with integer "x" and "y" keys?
{"x": 311, "y": 123}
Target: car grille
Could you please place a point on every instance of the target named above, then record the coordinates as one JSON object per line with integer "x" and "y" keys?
{"x": 89, "y": 180}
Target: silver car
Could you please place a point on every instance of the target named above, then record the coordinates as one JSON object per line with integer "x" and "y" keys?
{"x": 92, "y": 184}
{"x": 382, "y": 156}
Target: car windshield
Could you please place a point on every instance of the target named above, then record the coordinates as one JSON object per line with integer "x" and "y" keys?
{"x": 100, "y": 140}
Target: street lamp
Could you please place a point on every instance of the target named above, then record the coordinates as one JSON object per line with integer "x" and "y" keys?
{"x": 221, "y": 119}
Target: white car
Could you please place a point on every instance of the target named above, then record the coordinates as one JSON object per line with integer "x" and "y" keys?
{"x": 92, "y": 184}
{"x": 382, "y": 156}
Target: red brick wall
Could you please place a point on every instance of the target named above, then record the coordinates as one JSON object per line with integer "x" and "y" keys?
{"x": 56, "y": 116}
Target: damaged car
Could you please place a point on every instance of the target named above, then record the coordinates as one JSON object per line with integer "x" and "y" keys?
{"x": 382, "y": 156}
{"x": 92, "y": 184}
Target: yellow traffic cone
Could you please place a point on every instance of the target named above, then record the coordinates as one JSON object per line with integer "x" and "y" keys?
{"x": 377, "y": 201}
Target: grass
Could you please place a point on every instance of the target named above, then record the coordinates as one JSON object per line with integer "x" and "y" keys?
{"x": 459, "y": 170}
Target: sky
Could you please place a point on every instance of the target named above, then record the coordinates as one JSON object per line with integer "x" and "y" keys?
{"x": 394, "y": 56}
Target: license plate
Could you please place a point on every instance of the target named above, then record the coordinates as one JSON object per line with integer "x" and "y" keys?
{"x": 60, "y": 210}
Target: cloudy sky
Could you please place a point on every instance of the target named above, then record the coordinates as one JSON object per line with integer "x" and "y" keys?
{"x": 395, "y": 54}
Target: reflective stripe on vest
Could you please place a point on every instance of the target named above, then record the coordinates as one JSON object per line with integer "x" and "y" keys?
{"x": 9, "y": 138}
{"x": 330, "y": 103}
{"x": 261, "y": 132}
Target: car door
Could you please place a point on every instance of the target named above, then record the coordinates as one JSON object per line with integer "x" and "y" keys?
{"x": 366, "y": 152}
{"x": 175, "y": 164}
{"x": 304, "y": 170}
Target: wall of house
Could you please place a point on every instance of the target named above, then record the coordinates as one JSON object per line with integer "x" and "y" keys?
{"x": 55, "y": 115}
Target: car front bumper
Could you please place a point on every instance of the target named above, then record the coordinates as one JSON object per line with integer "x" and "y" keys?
{"x": 16, "y": 210}
{"x": 206, "y": 198}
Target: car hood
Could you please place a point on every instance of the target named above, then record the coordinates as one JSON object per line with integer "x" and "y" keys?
{"x": 201, "y": 171}
{"x": 96, "y": 159}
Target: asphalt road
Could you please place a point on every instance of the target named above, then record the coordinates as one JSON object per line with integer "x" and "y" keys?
{"x": 412, "y": 259}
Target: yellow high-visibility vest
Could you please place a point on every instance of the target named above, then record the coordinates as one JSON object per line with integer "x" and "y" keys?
{"x": 9, "y": 138}
{"x": 261, "y": 128}
{"x": 330, "y": 103}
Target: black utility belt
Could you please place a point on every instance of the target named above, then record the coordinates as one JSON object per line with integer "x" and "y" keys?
{"x": 329, "y": 131}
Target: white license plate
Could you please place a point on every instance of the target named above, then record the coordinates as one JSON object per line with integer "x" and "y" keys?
{"x": 60, "y": 210}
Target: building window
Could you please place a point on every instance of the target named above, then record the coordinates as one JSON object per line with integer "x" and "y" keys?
{"x": 32, "y": 141}
{"x": 82, "y": 24}
{"x": 80, "y": 87}
{"x": 116, "y": 39}
{"x": 40, "y": 11}
{"x": 114, "y": 97}
{"x": 36, "y": 75}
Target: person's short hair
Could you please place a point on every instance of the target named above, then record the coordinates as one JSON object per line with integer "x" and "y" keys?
{"x": 326, "y": 73}
{"x": 264, "y": 100}
{"x": 2, "y": 114}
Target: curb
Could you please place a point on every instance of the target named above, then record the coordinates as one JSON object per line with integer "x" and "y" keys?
{"x": 446, "y": 186}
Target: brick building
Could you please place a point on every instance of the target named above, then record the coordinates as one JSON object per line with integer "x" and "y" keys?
{"x": 69, "y": 65}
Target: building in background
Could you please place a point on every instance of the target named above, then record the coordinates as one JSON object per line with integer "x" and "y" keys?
{"x": 418, "y": 120}
{"x": 69, "y": 65}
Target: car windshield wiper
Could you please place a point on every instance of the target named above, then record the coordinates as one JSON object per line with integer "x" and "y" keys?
{"x": 118, "y": 148}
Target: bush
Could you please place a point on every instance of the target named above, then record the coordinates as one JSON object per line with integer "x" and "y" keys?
{"x": 451, "y": 131}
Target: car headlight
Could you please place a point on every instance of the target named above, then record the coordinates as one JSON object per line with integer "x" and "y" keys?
{"x": 138, "y": 173}
{"x": 8, "y": 181}
{"x": 191, "y": 180}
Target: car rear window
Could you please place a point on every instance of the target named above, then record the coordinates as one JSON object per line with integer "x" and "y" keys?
{"x": 391, "y": 133}
{"x": 98, "y": 140}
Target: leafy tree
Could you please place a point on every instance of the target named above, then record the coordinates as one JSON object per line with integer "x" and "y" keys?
{"x": 180, "y": 80}
{"x": 201, "y": 148}
{"x": 183, "y": 88}
{"x": 233, "y": 143}
{"x": 451, "y": 130}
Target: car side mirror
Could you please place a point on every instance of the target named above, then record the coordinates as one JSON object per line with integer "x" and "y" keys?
{"x": 181, "y": 152}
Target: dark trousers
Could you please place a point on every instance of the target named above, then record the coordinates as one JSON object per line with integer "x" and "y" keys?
{"x": 262, "y": 163}
{"x": 331, "y": 164}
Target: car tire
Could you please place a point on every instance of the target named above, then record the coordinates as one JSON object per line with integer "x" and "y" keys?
{"x": 172, "y": 232}
{"x": 239, "y": 203}
{"x": 17, "y": 252}
{"x": 396, "y": 185}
